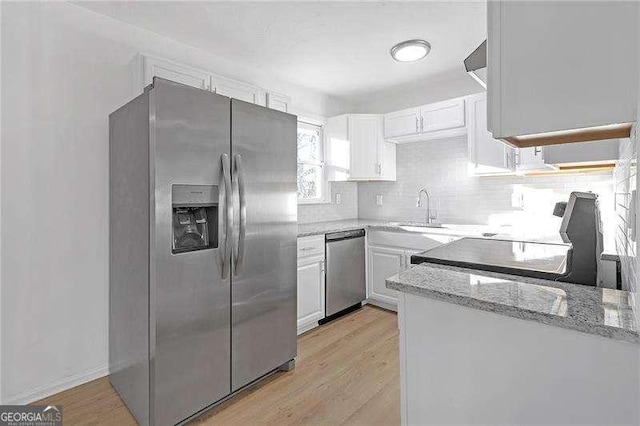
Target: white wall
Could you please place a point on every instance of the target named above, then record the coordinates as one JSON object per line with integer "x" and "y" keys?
{"x": 436, "y": 89}
{"x": 347, "y": 209}
{"x": 64, "y": 69}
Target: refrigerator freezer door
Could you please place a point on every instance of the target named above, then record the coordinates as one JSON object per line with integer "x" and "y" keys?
{"x": 264, "y": 280}
{"x": 190, "y": 349}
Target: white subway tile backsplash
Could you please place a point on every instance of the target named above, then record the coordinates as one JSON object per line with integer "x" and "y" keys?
{"x": 625, "y": 177}
{"x": 347, "y": 209}
{"x": 441, "y": 167}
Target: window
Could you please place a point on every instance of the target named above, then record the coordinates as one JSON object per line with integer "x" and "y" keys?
{"x": 312, "y": 185}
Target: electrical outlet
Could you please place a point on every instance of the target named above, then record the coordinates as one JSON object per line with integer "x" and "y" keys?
{"x": 338, "y": 198}
{"x": 378, "y": 200}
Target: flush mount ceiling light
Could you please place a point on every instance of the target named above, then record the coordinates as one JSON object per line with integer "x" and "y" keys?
{"x": 410, "y": 50}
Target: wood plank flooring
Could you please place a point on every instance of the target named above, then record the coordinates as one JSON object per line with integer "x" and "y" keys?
{"x": 347, "y": 372}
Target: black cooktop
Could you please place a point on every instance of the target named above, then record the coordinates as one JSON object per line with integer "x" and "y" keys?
{"x": 523, "y": 258}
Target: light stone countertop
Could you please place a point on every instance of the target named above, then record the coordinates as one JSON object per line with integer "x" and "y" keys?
{"x": 460, "y": 230}
{"x": 593, "y": 310}
{"x": 319, "y": 228}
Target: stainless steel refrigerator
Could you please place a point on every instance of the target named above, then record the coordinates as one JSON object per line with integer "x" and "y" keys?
{"x": 202, "y": 249}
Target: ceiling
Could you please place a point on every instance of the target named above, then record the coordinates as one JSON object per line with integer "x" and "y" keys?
{"x": 338, "y": 48}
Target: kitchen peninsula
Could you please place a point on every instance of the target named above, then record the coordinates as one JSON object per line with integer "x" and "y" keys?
{"x": 469, "y": 338}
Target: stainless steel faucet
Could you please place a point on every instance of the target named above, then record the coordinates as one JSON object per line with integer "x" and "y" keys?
{"x": 428, "y": 219}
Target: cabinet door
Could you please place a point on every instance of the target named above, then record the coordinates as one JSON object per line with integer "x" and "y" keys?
{"x": 532, "y": 159}
{"x": 384, "y": 263}
{"x": 365, "y": 138}
{"x": 156, "y": 67}
{"x": 278, "y": 101}
{"x": 409, "y": 253}
{"x": 237, "y": 90}
{"x": 600, "y": 151}
{"x": 442, "y": 115}
{"x": 543, "y": 75}
{"x": 402, "y": 123}
{"x": 310, "y": 292}
{"x": 486, "y": 154}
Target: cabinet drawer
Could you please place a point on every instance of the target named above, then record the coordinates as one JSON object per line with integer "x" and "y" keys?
{"x": 311, "y": 246}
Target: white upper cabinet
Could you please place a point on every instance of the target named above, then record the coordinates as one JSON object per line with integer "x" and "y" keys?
{"x": 442, "y": 116}
{"x": 153, "y": 66}
{"x": 433, "y": 121}
{"x": 372, "y": 158}
{"x": 278, "y": 101}
{"x": 338, "y": 148}
{"x": 560, "y": 65}
{"x": 402, "y": 123}
{"x": 532, "y": 159}
{"x": 486, "y": 154}
{"x": 586, "y": 152}
{"x": 157, "y": 67}
{"x": 554, "y": 157}
{"x": 357, "y": 150}
{"x": 237, "y": 90}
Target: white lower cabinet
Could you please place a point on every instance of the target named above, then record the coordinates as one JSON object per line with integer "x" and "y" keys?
{"x": 311, "y": 274}
{"x": 384, "y": 262}
{"x": 388, "y": 254}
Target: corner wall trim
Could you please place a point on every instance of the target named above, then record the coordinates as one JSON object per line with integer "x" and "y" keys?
{"x": 59, "y": 386}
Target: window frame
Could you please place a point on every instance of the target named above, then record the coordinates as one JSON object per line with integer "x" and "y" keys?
{"x": 325, "y": 190}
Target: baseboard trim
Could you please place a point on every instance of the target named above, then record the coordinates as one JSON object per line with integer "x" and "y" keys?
{"x": 383, "y": 304}
{"x": 59, "y": 386}
{"x": 307, "y": 327}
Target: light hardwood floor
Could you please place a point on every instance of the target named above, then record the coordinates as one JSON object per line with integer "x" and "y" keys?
{"x": 347, "y": 372}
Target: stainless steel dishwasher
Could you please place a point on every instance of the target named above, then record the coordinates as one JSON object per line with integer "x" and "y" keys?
{"x": 345, "y": 285}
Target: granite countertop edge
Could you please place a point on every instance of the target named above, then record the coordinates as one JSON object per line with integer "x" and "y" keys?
{"x": 581, "y": 323}
{"x": 319, "y": 228}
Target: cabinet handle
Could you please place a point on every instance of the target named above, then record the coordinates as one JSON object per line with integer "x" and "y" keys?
{"x": 417, "y": 128}
{"x": 422, "y": 123}
{"x": 537, "y": 150}
{"x": 322, "y": 266}
{"x": 307, "y": 248}
{"x": 380, "y": 169}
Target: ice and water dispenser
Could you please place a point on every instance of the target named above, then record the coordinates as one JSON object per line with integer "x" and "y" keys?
{"x": 195, "y": 217}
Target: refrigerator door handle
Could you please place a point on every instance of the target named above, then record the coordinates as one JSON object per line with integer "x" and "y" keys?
{"x": 227, "y": 208}
{"x": 243, "y": 214}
